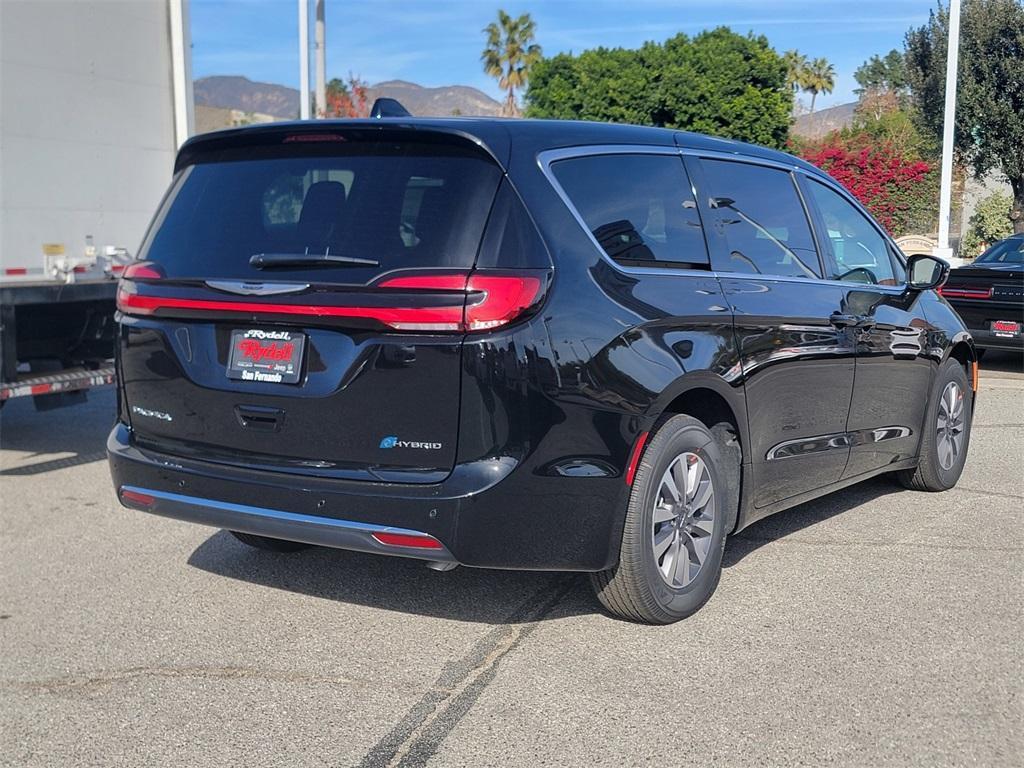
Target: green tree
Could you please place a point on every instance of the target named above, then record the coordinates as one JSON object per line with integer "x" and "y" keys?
{"x": 989, "y": 128}
{"x": 883, "y": 117}
{"x": 820, "y": 78}
{"x": 989, "y": 223}
{"x": 882, "y": 73}
{"x": 796, "y": 69}
{"x": 509, "y": 55}
{"x": 718, "y": 82}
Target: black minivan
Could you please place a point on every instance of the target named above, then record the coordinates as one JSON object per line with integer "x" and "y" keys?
{"x": 524, "y": 344}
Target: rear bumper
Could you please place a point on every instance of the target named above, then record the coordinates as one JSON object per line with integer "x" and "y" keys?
{"x": 279, "y": 524}
{"x": 978, "y": 317}
{"x": 988, "y": 340}
{"x": 490, "y": 514}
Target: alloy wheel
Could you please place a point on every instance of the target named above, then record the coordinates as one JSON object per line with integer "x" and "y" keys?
{"x": 684, "y": 520}
{"x": 950, "y": 425}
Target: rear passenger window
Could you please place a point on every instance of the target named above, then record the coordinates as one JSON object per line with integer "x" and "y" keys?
{"x": 511, "y": 240}
{"x": 640, "y": 208}
{"x": 762, "y": 218}
{"x": 859, "y": 253}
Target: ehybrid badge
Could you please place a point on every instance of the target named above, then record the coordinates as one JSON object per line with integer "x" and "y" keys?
{"x": 391, "y": 441}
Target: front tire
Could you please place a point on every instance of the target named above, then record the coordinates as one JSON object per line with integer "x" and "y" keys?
{"x": 672, "y": 543}
{"x": 946, "y": 435}
{"x": 268, "y": 544}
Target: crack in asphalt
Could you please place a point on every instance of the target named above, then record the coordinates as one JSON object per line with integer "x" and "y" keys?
{"x": 85, "y": 682}
{"x": 419, "y": 734}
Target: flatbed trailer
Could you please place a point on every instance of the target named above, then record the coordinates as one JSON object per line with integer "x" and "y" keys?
{"x": 56, "y": 340}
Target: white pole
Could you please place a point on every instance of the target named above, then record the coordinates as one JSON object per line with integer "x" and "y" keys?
{"x": 949, "y": 118}
{"x": 321, "y": 61}
{"x": 181, "y": 70}
{"x": 304, "y": 59}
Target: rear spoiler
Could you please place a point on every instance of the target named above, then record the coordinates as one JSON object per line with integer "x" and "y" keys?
{"x": 233, "y": 143}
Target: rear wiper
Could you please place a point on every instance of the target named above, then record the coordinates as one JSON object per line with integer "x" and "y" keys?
{"x": 285, "y": 260}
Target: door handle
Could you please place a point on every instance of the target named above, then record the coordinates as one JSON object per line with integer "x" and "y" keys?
{"x": 842, "y": 320}
{"x": 866, "y": 322}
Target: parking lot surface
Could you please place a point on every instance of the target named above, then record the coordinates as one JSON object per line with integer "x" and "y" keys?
{"x": 875, "y": 626}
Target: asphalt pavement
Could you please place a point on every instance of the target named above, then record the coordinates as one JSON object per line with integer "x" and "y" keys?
{"x": 875, "y": 626}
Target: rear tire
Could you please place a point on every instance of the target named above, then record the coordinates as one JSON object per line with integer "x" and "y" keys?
{"x": 671, "y": 555}
{"x": 268, "y": 544}
{"x": 946, "y": 435}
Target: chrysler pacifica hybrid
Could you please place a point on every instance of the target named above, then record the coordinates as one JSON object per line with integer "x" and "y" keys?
{"x": 524, "y": 344}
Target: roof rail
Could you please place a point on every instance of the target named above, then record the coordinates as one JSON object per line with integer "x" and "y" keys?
{"x": 388, "y": 108}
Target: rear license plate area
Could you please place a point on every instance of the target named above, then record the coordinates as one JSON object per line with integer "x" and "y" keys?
{"x": 1005, "y": 328}
{"x": 274, "y": 357}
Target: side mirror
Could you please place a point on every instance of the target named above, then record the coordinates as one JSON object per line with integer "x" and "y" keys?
{"x": 925, "y": 272}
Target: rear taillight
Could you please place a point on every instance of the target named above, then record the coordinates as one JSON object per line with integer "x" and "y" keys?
{"x": 128, "y": 300}
{"x": 142, "y": 270}
{"x": 492, "y": 300}
{"x": 426, "y": 303}
{"x": 951, "y": 292}
{"x": 505, "y": 297}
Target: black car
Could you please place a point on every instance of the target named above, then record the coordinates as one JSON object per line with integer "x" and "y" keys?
{"x": 989, "y": 295}
{"x": 524, "y": 344}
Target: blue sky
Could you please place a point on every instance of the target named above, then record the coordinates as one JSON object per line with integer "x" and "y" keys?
{"x": 438, "y": 42}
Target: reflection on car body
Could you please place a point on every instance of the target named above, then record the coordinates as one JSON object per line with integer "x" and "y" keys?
{"x": 526, "y": 344}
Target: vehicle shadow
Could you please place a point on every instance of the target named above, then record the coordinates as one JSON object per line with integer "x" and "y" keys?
{"x": 471, "y": 594}
{"x": 79, "y": 430}
{"x": 803, "y": 516}
{"x": 397, "y": 583}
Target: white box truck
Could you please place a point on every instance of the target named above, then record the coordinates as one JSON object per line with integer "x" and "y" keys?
{"x": 95, "y": 97}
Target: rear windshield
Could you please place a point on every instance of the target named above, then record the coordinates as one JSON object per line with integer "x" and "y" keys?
{"x": 1009, "y": 251}
{"x": 401, "y": 205}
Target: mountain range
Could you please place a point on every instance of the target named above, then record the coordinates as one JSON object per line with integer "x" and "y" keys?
{"x": 241, "y": 93}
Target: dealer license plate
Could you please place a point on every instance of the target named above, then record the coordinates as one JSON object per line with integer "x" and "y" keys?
{"x": 274, "y": 357}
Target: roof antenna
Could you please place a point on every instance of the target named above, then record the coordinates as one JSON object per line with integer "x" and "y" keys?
{"x": 388, "y": 108}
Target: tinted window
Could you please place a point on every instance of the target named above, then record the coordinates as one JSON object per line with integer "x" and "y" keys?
{"x": 403, "y": 205}
{"x": 511, "y": 240}
{"x": 640, "y": 208}
{"x": 762, "y": 218}
{"x": 859, "y": 252}
{"x": 1010, "y": 251}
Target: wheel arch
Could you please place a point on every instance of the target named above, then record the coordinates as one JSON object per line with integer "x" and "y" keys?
{"x": 962, "y": 348}
{"x": 963, "y": 351}
{"x": 712, "y": 401}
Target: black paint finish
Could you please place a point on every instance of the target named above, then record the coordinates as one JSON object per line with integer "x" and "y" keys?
{"x": 537, "y": 419}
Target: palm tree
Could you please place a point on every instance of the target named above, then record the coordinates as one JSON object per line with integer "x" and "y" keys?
{"x": 821, "y": 78}
{"x": 509, "y": 55}
{"x": 796, "y": 69}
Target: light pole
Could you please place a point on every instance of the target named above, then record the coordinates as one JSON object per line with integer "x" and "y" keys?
{"x": 321, "y": 61}
{"x": 181, "y": 70}
{"x": 304, "y": 59}
{"x": 948, "y": 120}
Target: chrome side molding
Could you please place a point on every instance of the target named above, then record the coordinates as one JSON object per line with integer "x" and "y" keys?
{"x": 819, "y": 443}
